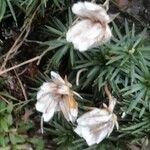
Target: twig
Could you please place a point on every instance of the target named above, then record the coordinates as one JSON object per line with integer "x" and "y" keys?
{"x": 33, "y": 41}
{"x": 41, "y": 56}
{"x": 4, "y": 99}
{"x": 15, "y": 46}
{"x": 24, "y": 70}
{"x": 21, "y": 85}
{"x": 19, "y": 41}
{"x": 19, "y": 65}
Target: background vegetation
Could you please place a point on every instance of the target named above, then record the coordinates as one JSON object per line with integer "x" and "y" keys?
{"x": 32, "y": 43}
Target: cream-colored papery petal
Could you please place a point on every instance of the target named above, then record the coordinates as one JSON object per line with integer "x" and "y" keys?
{"x": 95, "y": 134}
{"x": 50, "y": 110}
{"x": 64, "y": 109}
{"x": 43, "y": 102}
{"x": 96, "y": 125}
{"x": 63, "y": 89}
{"x": 104, "y": 131}
{"x": 86, "y": 134}
{"x": 93, "y": 117}
{"x": 112, "y": 104}
{"x": 46, "y": 103}
{"x": 86, "y": 34}
{"x": 69, "y": 113}
{"x": 46, "y": 88}
{"x": 43, "y": 95}
{"x": 107, "y": 35}
{"x": 57, "y": 78}
{"x": 94, "y": 112}
{"x": 91, "y": 10}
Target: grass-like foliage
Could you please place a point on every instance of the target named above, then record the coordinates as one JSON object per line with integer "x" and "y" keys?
{"x": 124, "y": 63}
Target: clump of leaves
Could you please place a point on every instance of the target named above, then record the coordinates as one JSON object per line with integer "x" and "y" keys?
{"x": 5, "y": 122}
{"x": 12, "y": 137}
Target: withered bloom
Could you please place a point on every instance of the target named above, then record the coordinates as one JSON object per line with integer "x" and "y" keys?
{"x": 97, "y": 124}
{"x": 57, "y": 95}
{"x": 92, "y": 28}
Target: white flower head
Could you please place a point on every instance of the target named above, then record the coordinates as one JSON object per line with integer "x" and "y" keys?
{"x": 56, "y": 95}
{"x": 97, "y": 124}
{"x": 92, "y": 28}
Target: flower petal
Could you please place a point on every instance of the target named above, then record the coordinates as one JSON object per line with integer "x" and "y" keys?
{"x": 112, "y": 104}
{"x": 83, "y": 132}
{"x": 86, "y": 134}
{"x": 73, "y": 106}
{"x": 107, "y": 34}
{"x": 95, "y": 125}
{"x": 46, "y": 102}
{"x": 44, "y": 95}
{"x": 56, "y": 77}
{"x": 64, "y": 109}
{"x": 46, "y": 88}
{"x": 63, "y": 89}
{"x": 50, "y": 110}
{"x": 95, "y": 134}
{"x": 47, "y": 105}
{"x": 86, "y": 34}
{"x": 69, "y": 108}
{"x": 94, "y": 112}
{"x": 91, "y": 10}
{"x": 96, "y": 116}
{"x": 102, "y": 134}
{"x": 43, "y": 102}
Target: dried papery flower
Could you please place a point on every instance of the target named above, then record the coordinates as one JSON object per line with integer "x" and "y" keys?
{"x": 97, "y": 124}
{"x": 56, "y": 95}
{"x": 92, "y": 28}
